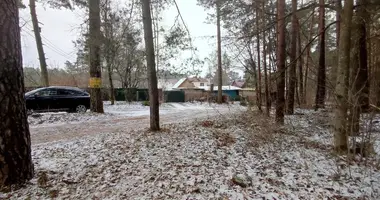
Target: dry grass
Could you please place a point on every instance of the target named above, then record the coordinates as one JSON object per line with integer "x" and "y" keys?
{"x": 223, "y": 138}
{"x": 262, "y": 130}
{"x": 42, "y": 179}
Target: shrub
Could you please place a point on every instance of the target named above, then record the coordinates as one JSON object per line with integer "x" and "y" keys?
{"x": 243, "y": 103}
{"x": 145, "y": 103}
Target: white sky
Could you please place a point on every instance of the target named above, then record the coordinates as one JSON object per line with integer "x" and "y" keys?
{"x": 60, "y": 28}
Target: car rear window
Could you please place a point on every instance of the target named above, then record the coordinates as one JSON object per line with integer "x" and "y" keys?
{"x": 34, "y": 91}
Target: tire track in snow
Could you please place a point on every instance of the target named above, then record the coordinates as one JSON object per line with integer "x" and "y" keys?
{"x": 71, "y": 131}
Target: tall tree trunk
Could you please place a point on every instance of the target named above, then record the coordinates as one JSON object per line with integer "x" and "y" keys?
{"x": 254, "y": 70}
{"x": 267, "y": 98}
{"x": 293, "y": 64}
{"x": 15, "y": 151}
{"x": 300, "y": 67}
{"x": 354, "y": 91}
{"x": 340, "y": 112}
{"x": 156, "y": 34}
{"x": 259, "y": 102}
{"x": 359, "y": 90}
{"x": 151, "y": 68}
{"x": 281, "y": 48}
{"x": 308, "y": 56}
{"x": 112, "y": 92}
{"x": 94, "y": 45}
{"x": 334, "y": 69}
{"x": 109, "y": 36}
{"x": 40, "y": 48}
{"x": 363, "y": 80}
{"x": 377, "y": 74}
{"x": 219, "y": 41}
{"x": 321, "y": 81}
{"x": 338, "y": 21}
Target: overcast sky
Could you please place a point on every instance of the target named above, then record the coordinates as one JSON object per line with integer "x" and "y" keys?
{"x": 60, "y": 28}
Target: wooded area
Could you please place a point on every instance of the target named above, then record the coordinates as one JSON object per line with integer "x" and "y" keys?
{"x": 320, "y": 54}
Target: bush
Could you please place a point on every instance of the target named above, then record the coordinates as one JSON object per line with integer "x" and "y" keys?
{"x": 145, "y": 103}
{"x": 243, "y": 102}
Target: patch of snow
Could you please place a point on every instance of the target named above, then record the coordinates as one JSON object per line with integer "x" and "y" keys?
{"x": 124, "y": 109}
{"x": 190, "y": 161}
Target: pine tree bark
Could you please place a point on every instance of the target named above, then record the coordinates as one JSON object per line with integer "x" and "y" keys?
{"x": 354, "y": 90}
{"x": 112, "y": 92}
{"x": 259, "y": 98}
{"x": 281, "y": 48}
{"x": 15, "y": 150}
{"x": 338, "y": 21}
{"x": 253, "y": 69}
{"x": 293, "y": 64}
{"x": 267, "y": 97}
{"x": 341, "y": 90}
{"x": 219, "y": 41}
{"x": 363, "y": 84}
{"x": 321, "y": 81}
{"x": 40, "y": 48}
{"x": 94, "y": 46}
{"x": 151, "y": 68}
{"x": 359, "y": 84}
{"x": 377, "y": 74}
{"x": 300, "y": 66}
{"x": 308, "y": 56}
{"x": 108, "y": 51}
{"x": 334, "y": 70}
{"x": 156, "y": 34}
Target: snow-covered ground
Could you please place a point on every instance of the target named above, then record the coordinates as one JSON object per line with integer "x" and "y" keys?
{"x": 50, "y": 127}
{"x": 126, "y": 110}
{"x": 234, "y": 156}
{"x": 316, "y": 126}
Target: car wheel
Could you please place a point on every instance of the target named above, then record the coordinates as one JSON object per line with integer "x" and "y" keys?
{"x": 81, "y": 109}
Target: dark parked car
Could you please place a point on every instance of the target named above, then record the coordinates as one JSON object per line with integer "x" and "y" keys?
{"x": 57, "y": 98}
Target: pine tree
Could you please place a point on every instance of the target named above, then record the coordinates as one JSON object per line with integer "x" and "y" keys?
{"x": 151, "y": 68}
{"x": 281, "y": 47}
{"x": 15, "y": 150}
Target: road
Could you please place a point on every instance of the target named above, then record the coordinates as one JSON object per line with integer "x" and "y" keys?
{"x": 47, "y": 133}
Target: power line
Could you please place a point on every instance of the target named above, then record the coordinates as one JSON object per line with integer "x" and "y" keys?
{"x": 184, "y": 24}
{"x": 59, "y": 53}
{"x": 51, "y": 45}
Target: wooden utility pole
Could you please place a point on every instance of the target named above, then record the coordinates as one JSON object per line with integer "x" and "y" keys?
{"x": 94, "y": 44}
{"x": 15, "y": 150}
{"x": 40, "y": 48}
{"x": 151, "y": 66}
{"x": 219, "y": 41}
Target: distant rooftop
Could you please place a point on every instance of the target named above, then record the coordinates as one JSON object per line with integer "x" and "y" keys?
{"x": 226, "y": 87}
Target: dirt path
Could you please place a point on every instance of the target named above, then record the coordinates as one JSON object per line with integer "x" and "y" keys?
{"x": 53, "y": 133}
